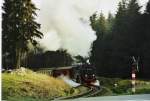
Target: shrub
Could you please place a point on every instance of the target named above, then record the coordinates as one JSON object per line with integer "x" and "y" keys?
{"x": 122, "y": 87}
{"x": 143, "y": 91}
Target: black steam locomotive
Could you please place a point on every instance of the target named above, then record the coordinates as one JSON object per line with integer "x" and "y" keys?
{"x": 85, "y": 74}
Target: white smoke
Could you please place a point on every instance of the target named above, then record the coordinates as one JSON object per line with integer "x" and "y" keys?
{"x": 65, "y": 24}
{"x": 69, "y": 81}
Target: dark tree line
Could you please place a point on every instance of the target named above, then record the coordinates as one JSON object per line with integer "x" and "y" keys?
{"x": 47, "y": 59}
{"x": 119, "y": 38}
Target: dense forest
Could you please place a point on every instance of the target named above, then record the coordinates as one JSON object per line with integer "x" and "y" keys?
{"x": 48, "y": 59}
{"x": 119, "y": 38}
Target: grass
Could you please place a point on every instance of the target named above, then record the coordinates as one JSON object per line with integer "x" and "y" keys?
{"x": 105, "y": 92}
{"x": 143, "y": 87}
{"x": 108, "y": 82}
{"x": 123, "y": 86}
{"x": 25, "y": 85}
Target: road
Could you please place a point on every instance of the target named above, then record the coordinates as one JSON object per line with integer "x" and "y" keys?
{"x": 143, "y": 97}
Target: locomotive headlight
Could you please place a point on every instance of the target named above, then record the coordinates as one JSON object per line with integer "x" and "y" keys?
{"x": 86, "y": 75}
{"x": 93, "y": 75}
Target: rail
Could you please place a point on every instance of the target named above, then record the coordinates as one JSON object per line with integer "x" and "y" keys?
{"x": 94, "y": 90}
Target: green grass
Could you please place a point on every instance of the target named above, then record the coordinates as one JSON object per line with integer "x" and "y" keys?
{"x": 143, "y": 87}
{"x": 105, "y": 92}
{"x": 108, "y": 82}
{"x": 25, "y": 85}
{"x": 26, "y": 98}
{"x": 123, "y": 86}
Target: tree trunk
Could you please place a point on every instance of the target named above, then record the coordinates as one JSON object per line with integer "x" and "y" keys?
{"x": 18, "y": 57}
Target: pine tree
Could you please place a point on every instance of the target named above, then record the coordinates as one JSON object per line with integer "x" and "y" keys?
{"x": 110, "y": 23}
{"x": 125, "y": 35}
{"x": 120, "y": 17}
{"x": 121, "y": 12}
{"x": 19, "y": 28}
{"x": 98, "y": 24}
{"x": 145, "y": 42}
{"x": 93, "y": 21}
{"x": 102, "y": 26}
{"x": 133, "y": 12}
{"x": 97, "y": 55}
{"x": 120, "y": 26}
{"x": 148, "y": 8}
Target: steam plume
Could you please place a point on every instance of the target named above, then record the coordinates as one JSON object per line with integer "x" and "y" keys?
{"x": 65, "y": 24}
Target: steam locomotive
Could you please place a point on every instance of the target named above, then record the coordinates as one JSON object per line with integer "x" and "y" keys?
{"x": 85, "y": 74}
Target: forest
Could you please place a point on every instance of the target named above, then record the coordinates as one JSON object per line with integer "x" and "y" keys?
{"x": 119, "y": 38}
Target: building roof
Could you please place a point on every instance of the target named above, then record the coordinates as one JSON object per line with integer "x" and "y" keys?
{"x": 60, "y": 68}
{"x": 55, "y": 68}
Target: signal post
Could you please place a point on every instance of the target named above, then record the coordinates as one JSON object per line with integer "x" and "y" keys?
{"x": 133, "y": 80}
{"x": 133, "y": 73}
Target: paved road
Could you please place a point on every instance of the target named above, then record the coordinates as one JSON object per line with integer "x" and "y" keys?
{"x": 143, "y": 97}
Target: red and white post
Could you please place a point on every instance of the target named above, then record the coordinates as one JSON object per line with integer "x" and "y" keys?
{"x": 133, "y": 81}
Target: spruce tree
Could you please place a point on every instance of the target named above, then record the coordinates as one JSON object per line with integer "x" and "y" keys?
{"x": 19, "y": 28}
{"x": 145, "y": 42}
{"x": 148, "y": 8}
{"x": 125, "y": 36}
{"x": 99, "y": 27}
{"x": 102, "y": 25}
{"x": 110, "y": 23}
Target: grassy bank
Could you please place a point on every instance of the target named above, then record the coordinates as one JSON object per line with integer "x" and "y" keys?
{"x": 117, "y": 86}
{"x": 25, "y": 85}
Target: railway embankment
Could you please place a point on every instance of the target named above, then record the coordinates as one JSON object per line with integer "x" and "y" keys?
{"x": 82, "y": 91}
{"x": 26, "y": 85}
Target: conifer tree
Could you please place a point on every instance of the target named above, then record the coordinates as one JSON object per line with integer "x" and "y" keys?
{"x": 19, "y": 28}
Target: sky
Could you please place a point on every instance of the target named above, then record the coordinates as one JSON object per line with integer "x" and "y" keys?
{"x": 105, "y": 5}
{"x": 111, "y": 5}
{"x": 65, "y": 23}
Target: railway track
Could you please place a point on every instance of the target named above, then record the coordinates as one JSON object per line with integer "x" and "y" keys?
{"x": 93, "y": 91}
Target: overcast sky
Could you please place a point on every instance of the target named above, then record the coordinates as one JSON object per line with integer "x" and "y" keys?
{"x": 106, "y": 5}
{"x": 111, "y": 5}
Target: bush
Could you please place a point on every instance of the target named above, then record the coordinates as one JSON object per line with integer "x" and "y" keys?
{"x": 122, "y": 87}
{"x": 143, "y": 91}
{"x": 108, "y": 82}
